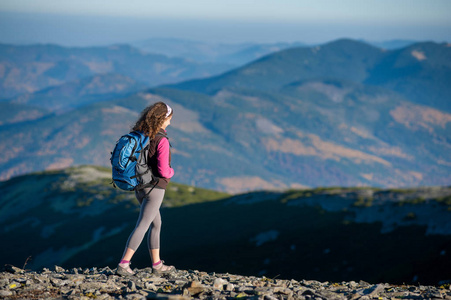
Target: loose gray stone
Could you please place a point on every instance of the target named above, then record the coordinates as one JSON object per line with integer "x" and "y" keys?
{"x": 13, "y": 285}
{"x": 364, "y": 283}
{"x": 59, "y": 269}
{"x": 134, "y": 297}
{"x": 219, "y": 283}
{"x": 65, "y": 290}
{"x": 4, "y": 282}
{"x": 56, "y": 282}
{"x": 150, "y": 286}
{"x": 5, "y": 293}
{"x": 245, "y": 288}
{"x": 374, "y": 290}
{"x": 132, "y": 285}
{"x": 282, "y": 290}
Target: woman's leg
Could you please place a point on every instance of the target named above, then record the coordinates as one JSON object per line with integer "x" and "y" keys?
{"x": 154, "y": 248}
{"x": 155, "y": 253}
{"x": 150, "y": 208}
{"x": 153, "y": 241}
{"x": 128, "y": 254}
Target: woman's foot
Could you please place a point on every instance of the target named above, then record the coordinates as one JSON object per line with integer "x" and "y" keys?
{"x": 123, "y": 269}
{"x": 160, "y": 268}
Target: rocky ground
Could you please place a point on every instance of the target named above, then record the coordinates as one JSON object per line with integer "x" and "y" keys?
{"x": 102, "y": 283}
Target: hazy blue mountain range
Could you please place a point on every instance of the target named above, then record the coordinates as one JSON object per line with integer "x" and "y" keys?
{"x": 16, "y": 113}
{"x": 391, "y": 44}
{"x": 80, "y": 92}
{"x": 27, "y": 69}
{"x": 232, "y": 54}
{"x": 272, "y": 124}
{"x": 420, "y": 72}
{"x": 75, "y": 218}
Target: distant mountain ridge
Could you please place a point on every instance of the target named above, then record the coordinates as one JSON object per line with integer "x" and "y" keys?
{"x": 11, "y": 113}
{"x": 425, "y": 65}
{"x": 81, "y": 92}
{"x": 31, "y": 68}
{"x": 333, "y": 60}
{"x": 232, "y": 54}
{"x": 273, "y": 124}
{"x": 391, "y": 44}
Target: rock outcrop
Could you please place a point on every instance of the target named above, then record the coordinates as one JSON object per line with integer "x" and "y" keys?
{"x": 102, "y": 283}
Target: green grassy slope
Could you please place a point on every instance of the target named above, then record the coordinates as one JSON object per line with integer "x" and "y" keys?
{"x": 74, "y": 218}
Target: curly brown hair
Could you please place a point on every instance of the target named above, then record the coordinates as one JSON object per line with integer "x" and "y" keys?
{"x": 152, "y": 118}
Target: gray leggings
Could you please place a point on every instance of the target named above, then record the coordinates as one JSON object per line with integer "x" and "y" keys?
{"x": 149, "y": 216}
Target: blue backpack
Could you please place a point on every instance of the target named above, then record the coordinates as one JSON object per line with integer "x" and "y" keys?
{"x": 129, "y": 163}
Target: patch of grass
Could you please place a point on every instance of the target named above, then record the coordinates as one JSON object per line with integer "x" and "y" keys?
{"x": 180, "y": 194}
{"x": 84, "y": 202}
{"x": 94, "y": 183}
{"x": 295, "y": 194}
{"x": 411, "y": 216}
{"x": 363, "y": 202}
{"x": 399, "y": 191}
{"x": 331, "y": 190}
{"x": 445, "y": 201}
{"x": 338, "y": 189}
{"x": 419, "y": 200}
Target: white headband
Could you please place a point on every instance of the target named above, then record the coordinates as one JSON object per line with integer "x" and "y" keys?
{"x": 169, "y": 110}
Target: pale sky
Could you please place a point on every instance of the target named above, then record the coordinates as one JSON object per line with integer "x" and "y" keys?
{"x": 84, "y": 22}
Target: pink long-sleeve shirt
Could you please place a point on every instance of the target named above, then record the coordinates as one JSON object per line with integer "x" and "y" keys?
{"x": 163, "y": 165}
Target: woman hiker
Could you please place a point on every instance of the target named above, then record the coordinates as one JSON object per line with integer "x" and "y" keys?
{"x": 154, "y": 119}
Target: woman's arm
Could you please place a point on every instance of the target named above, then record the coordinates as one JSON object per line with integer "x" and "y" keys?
{"x": 164, "y": 168}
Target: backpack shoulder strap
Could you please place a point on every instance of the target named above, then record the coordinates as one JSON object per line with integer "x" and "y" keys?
{"x": 162, "y": 136}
